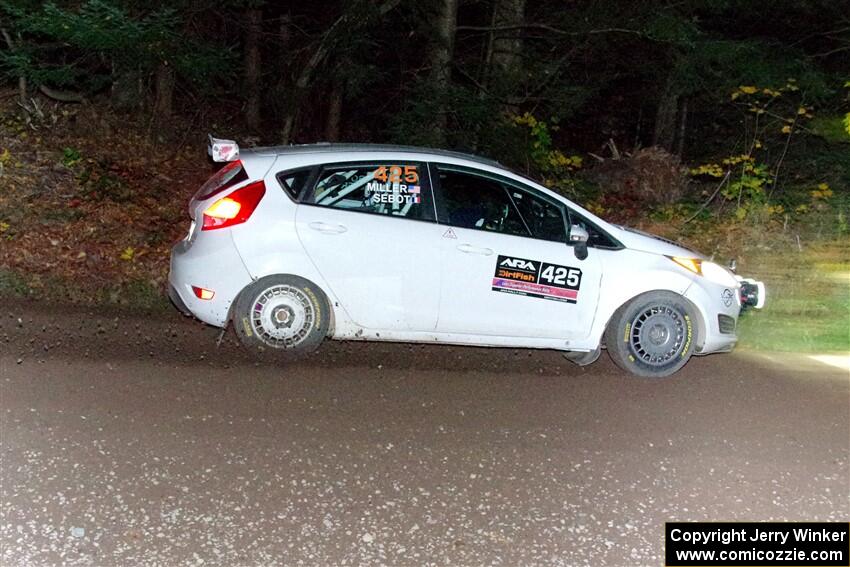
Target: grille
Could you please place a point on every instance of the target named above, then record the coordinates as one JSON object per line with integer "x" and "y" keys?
{"x": 726, "y": 324}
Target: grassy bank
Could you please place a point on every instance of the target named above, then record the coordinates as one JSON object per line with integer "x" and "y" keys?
{"x": 808, "y": 300}
{"x": 137, "y": 294}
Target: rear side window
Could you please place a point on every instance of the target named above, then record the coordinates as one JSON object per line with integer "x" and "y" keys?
{"x": 293, "y": 182}
{"x": 224, "y": 178}
{"x": 390, "y": 189}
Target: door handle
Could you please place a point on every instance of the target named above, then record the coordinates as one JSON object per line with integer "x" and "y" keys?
{"x": 469, "y": 249}
{"x": 327, "y": 228}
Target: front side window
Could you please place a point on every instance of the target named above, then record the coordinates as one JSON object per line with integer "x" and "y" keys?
{"x": 393, "y": 189}
{"x": 597, "y": 238}
{"x": 484, "y": 203}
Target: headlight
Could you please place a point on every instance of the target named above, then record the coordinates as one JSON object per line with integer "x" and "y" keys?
{"x": 691, "y": 264}
{"x": 709, "y": 270}
{"x": 718, "y": 274}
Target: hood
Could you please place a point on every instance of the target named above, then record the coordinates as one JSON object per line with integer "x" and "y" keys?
{"x": 646, "y": 242}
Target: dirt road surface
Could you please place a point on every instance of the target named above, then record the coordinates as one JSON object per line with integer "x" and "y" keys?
{"x": 130, "y": 440}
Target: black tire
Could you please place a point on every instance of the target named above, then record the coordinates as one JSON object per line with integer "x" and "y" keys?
{"x": 282, "y": 314}
{"x": 653, "y": 335}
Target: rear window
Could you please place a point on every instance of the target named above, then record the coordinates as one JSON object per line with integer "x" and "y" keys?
{"x": 226, "y": 177}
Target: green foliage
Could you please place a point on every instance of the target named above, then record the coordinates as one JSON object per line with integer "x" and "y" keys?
{"x": 556, "y": 169}
{"x": 137, "y": 294}
{"x": 832, "y": 128}
{"x": 98, "y": 27}
{"x": 773, "y": 119}
{"x": 748, "y": 189}
{"x": 70, "y": 157}
{"x": 718, "y": 65}
{"x": 205, "y": 66}
{"x": 96, "y": 43}
{"x": 670, "y": 27}
{"x": 13, "y": 284}
{"x": 97, "y": 181}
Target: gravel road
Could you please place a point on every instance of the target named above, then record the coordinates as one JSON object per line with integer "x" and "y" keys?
{"x": 134, "y": 440}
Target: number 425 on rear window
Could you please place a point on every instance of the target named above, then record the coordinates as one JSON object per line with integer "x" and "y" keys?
{"x": 397, "y": 174}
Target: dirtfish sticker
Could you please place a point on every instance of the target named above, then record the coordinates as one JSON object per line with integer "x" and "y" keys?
{"x": 532, "y": 278}
{"x": 398, "y": 193}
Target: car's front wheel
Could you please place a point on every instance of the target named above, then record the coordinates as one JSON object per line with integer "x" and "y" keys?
{"x": 284, "y": 313}
{"x": 653, "y": 335}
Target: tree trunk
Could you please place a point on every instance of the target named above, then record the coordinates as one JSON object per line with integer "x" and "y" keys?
{"x": 332, "y": 128}
{"x": 163, "y": 103}
{"x": 665, "y": 117}
{"x": 125, "y": 93}
{"x": 305, "y": 77}
{"x": 22, "y": 89}
{"x": 22, "y": 81}
{"x": 507, "y": 45}
{"x": 350, "y": 20}
{"x": 283, "y": 88}
{"x": 501, "y": 65}
{"x": 487, "y": 58}
{"x": 288, "y": 127}
{"x": 683, "y": 126}
{"x": 441, "y": 58}
{"x": 61, "y": 96}
{"x": 253, "y": 29}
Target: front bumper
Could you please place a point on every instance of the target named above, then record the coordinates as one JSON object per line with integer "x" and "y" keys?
{"x": 720, "y": 307}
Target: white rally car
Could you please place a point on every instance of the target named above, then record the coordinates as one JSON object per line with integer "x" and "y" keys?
{"x": 362, "y": 242}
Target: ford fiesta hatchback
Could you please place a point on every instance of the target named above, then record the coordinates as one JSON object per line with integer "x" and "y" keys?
{"x": 296, "y": 244}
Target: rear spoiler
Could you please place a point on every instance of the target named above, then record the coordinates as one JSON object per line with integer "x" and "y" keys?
{"x": 222, "y": 150}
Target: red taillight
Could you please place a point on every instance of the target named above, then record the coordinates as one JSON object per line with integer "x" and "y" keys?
{"x": 202, "y": 293}
{"x": 234, "y": 209}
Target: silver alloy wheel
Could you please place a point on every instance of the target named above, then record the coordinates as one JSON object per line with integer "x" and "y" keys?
{"x": 658, "y": 335}
{"x": 282, "y": 316}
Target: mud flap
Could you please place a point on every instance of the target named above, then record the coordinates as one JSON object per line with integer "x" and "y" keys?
{"x": 583, "y": 358}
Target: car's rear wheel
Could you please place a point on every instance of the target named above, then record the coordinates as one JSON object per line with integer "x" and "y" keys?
{"x": 653, "y": 335}
{"x": 282, "y": 314}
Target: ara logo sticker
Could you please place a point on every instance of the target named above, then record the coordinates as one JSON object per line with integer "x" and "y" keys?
{"x": 727, "y": 297}
{"x": 519, "y": 263}
{"x": 450, "y": 234}
{"x": 536, "y": 279}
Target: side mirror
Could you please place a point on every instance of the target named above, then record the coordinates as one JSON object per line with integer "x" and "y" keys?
{"x": 578, "y": 240}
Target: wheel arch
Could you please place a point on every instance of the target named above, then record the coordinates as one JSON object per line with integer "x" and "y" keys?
{"x": 622, "y": 303}
{"x": 329, "y": 302}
